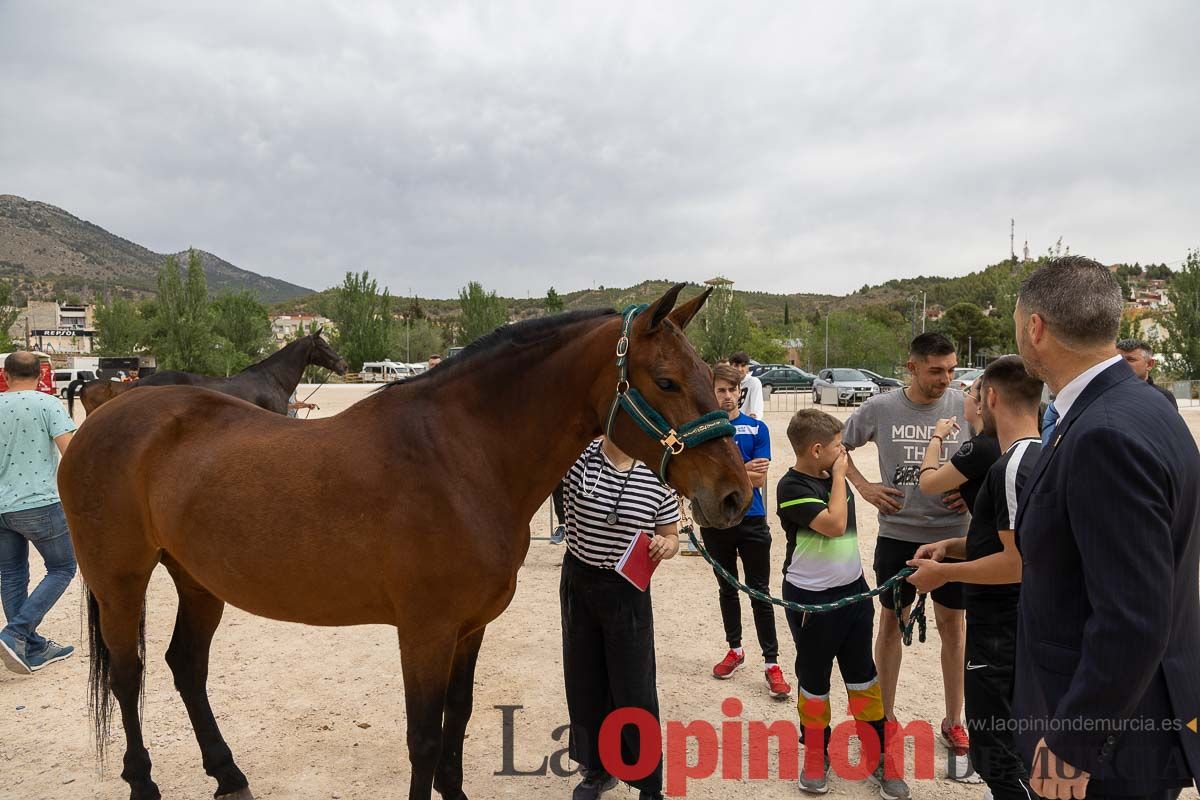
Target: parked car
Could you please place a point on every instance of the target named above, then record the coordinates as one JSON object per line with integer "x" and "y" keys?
{"x": 64, "y": 377}
{"x": 757, "y": 370}
{"x": 785, "y": 377}
{"x": 385, "y": 371}
{"x": 964, "y": 378}
{"x": 884, "y": 384}
{"x": 851, "y": 384}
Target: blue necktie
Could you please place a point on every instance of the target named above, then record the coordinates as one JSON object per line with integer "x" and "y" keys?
{"x": 1049, "y": 423}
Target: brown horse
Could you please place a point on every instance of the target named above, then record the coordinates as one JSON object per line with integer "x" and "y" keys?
{"x": 204, "y": 492}
{"x": 267, "y": 384}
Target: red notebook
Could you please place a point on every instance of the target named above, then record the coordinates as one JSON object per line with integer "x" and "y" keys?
{"x": 636, "y": 565}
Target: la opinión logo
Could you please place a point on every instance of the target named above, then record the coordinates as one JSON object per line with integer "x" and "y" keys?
{"x": 739, "y": 749}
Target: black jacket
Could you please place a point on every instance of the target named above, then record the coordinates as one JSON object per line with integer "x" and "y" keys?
{"x": 1108, "y": 653}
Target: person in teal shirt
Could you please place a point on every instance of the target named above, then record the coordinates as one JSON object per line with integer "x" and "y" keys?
{"x": 34, "y": 431}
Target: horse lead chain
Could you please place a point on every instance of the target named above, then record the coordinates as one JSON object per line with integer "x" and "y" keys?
{"x": 915, "y": 620}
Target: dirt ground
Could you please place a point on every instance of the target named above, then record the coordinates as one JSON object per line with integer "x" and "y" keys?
{"x": 318, "y": 713}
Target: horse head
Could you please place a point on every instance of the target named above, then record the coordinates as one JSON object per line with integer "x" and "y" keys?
{"x": 322, "y": 355}
{"x": 668, "y": 373}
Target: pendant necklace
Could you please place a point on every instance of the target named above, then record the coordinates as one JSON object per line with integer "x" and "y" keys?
{"x": 612, "y": 518}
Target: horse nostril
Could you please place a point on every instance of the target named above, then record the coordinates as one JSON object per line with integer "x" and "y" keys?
{"x": 732, "y": 503}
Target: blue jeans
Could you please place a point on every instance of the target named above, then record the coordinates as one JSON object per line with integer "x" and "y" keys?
{"x": 46, "y": 529}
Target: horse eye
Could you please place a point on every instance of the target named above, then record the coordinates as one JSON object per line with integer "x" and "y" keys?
{"x": 667, "y": 385}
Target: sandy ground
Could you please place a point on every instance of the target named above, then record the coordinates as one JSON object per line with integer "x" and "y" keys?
{"x": 319, "y": 713}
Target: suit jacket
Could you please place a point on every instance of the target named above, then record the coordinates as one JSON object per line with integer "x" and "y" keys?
{"x": 1108, "y": 652}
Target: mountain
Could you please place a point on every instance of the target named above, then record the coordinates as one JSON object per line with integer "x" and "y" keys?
{"x": 48, "y": 253}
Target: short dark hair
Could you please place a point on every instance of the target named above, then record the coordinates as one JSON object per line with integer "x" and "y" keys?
{"x": 1129, "y": 345}
{"x": 727, "y": 373}
{"x": 739, "y": 358}
{"x": 22, "y": 365}
{"x": 1008, "y": 376}
{"x": 811, "y": 426}
{"x": 1079, "y": 299}
{"x": 930, "y": 344}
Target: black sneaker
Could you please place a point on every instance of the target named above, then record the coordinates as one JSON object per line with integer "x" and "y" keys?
{"x": 595, "y": 783}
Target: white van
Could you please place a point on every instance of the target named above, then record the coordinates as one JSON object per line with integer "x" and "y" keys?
{"x": 384, "y": 371}
{"x": 64, "y": 377}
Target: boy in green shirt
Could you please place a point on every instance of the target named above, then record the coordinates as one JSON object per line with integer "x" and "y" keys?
{"x": 823, "y": 565}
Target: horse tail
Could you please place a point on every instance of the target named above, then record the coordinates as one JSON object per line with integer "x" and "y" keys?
{"x": 100, "y": 698}
{"x": 75, "y": 385}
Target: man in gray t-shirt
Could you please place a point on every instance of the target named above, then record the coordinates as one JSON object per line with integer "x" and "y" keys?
{"x": 901, "y": 424}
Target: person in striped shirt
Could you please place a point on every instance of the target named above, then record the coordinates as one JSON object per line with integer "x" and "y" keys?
{"x": 607, "y": 622}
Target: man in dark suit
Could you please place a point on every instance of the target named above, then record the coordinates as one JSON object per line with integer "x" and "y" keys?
{"x": 1108, "y": 651}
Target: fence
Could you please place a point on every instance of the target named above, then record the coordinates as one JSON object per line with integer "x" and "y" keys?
{"x": 1187, "y": 393}
{"x": 790, "y": 401}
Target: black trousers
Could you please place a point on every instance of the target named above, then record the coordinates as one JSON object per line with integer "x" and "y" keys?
{"x": 751, "y": 540}
{"x": 990, "y": 663}
{"x": 845, "y": 636}
{"x": 560, "y": 507}
{"x": 608, "y": 661}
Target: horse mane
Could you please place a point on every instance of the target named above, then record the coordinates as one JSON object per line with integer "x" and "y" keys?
{"x": 520, "y": 334}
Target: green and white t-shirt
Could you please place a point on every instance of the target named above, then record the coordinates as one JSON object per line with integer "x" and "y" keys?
{"x": 29, "y": 423}
{"x": 815, "y": 561}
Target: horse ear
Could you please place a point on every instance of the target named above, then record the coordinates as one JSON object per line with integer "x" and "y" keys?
{"x": 659, "y": 310}
{"x": 687, "y": 312}
{"x": 317, "y": 333}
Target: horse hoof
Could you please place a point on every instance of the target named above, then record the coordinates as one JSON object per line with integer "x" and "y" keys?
{"x": 240, "y": 794}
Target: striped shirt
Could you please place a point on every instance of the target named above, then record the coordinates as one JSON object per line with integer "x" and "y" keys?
{"x": 595, "y": 489}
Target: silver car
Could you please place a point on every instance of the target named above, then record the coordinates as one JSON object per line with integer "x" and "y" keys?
{"x": 851, "y": 385}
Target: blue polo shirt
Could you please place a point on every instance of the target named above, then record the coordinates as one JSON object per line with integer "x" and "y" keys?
{"x": 753, "y": 440}
{"x": 29, "y": 423}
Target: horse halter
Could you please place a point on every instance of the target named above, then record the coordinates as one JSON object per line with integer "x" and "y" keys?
{"x": 710, "y": 426}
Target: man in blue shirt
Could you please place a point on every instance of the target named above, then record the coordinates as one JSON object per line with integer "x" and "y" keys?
{"x": 32, "y": 426}
{"x": 750, "y": 539}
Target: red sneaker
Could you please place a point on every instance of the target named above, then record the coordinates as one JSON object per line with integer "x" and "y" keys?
{"x": 955, "y": 738}
{"x": 729, "y": 665}
{"x": 776, "y": 685}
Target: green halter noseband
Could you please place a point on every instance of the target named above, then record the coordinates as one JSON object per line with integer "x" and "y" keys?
{"x": 710, "y": 426}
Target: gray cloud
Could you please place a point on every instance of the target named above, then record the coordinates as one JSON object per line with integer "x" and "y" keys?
{"x": 815, "y": 149}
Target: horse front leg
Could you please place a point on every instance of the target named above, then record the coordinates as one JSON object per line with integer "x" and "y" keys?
{"x": 426, "y": 660}
{"x": 459, "y": 696}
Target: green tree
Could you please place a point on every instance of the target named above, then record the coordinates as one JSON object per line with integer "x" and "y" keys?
{"x": 554, "y": 303}
{"x": 858, "y": 341}
{"x": 8, "y": 313}
{"x": 482, "y": 312}
{"x": 1159, "y": 272}
{"x": 1183, "y": 323}
{"x": 968, "y": 327}
{"x": 120, "y": 329}
{"x": 787, "y": 320}
{"x": 1130, "y": 327}
{"x": 364, "y": 320}
{"x": 183, "y": 325}
{"x": 241, "y": 323}
{"x": 763, "y": 347}
{"x": 416, "y": 342}
{"x": 725, "y": 328}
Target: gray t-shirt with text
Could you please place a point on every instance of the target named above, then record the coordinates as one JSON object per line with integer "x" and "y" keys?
{"x": 901, "y": 429}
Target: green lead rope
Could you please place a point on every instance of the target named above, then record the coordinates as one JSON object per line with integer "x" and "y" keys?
{"x": 916, "y": 620}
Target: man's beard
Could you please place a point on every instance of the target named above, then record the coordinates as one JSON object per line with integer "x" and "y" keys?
{"x": 989, "y": 423}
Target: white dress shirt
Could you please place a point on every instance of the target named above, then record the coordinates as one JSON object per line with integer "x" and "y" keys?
{"x": 1070, "y": 393}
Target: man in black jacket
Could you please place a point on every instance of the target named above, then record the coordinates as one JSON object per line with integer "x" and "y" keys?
{"x": 1140, "y": 357}
{"x": 1109, "y": 532}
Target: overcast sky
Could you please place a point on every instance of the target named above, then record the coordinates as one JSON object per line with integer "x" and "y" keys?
{"x": 571, "y": 144}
